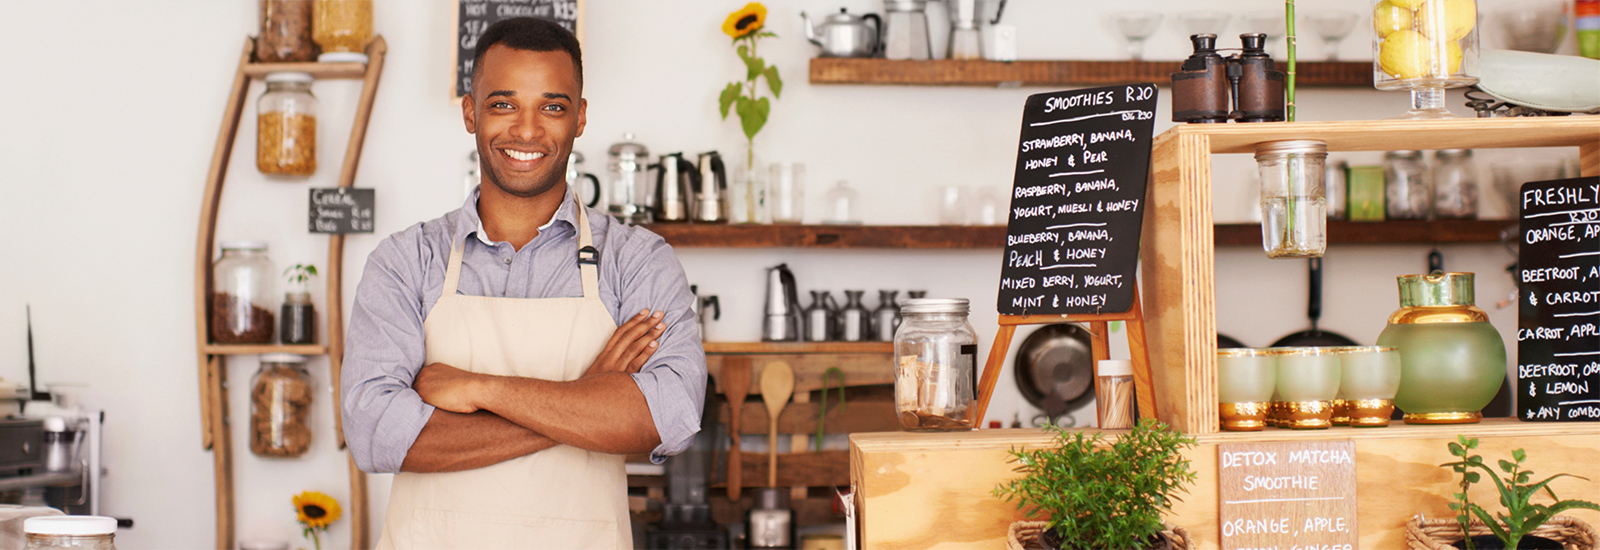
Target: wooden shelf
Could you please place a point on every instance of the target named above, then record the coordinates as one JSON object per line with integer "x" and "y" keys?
{"x": 1390, "y": 135}
{"x": 317, "y": 70}
{"x": 798, "y": 347}
{"x": 830, "y": 236}
{"x": 250, "y": 349}
{"x": 948, "y": 72}
{"x": 1392, "y": 232}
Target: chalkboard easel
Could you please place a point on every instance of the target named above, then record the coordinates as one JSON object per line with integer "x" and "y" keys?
{"x": 1134, "y": 317}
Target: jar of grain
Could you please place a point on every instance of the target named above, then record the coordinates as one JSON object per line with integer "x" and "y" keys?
{"x": 285, "y": 32}
{"x": 286, "y": 126}
{"x": 342, "y": 28}
{"x": 280, "y": 407}
{"x": 936, "y": 354}
{"x": 241, "y": 294}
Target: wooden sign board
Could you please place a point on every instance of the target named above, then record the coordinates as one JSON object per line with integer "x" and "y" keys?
{"x": 475, "y": 16}
{"x": 341, "y": 210}
{"x": 1285, "y": 495}
{"x": 1558, "y": 316}
{"x": 1077, "y": 201}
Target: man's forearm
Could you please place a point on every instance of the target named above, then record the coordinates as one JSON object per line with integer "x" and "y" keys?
{"x": 603, "y": 413}
{"x": 453, "y": 442}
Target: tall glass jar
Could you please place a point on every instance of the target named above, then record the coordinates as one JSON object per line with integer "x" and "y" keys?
{"x": 1294, "y": 218}
{"x": 1452, "y": 361}
{"x": 936, "y": 354}
{"x": 285, "y": 32}
{"x": 342, "y": 28}
{"x": 1455, "y": 185}
{"x": 241, "y": 294}
{"x": 1425, "y": 46}
{"x": 1405, "y": 186}
{"x": 280, "y": 407}
{"x": 286, "y": 126}
{"x": 70, "y": 532}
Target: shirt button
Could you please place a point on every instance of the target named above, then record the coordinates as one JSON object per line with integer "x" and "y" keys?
{"x": 508, "y": 261}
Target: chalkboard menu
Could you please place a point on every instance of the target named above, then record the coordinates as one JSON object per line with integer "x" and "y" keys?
{"x": 1558, "y": 319}
{"x": 1077, "y": 201}
{"x": 475, "y": 16}
{"x": 1287, "y": 495}
{"x": 341, "y": 210}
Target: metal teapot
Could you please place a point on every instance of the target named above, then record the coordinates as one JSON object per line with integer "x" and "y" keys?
{"x": 845, "y": 35}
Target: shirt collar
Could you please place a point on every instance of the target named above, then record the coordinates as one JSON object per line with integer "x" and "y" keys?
{"x": 469, "y": 223}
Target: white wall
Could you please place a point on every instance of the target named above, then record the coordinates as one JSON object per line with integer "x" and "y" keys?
{"x": 108, "y": 118}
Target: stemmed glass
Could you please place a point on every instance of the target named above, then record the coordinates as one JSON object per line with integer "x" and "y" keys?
{"x": 1270, "y": 23}
{"x": 1332, "y": 27}
{"x": 1136, "y": 26}
{"x": 1203, "y": 22}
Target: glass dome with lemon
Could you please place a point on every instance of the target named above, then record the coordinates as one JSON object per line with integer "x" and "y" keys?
{"x": 1425, "y": 46}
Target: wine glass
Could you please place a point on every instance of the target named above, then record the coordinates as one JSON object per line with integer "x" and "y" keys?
{"x": 1332, "y": 27}
{"x": 1136, "y": 26}
{"x": 1203, "y": 22}
{"x": 1270, "y": 23}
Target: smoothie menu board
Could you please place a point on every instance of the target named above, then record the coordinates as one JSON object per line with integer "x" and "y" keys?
{"x": 475, "y": 16}
{"x": 1077, "y": 202}
{"x": 1558, "y": 316}
{"x": 1287, "y": 495}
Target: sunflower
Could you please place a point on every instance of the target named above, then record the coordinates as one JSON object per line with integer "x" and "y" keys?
{"x": 316, "y": 510}
{"x": 747, "y": 20}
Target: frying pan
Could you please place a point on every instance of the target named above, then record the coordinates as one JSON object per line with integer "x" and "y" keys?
{"x": 1054, "y": 368}
{"x": 1314, "y": 337}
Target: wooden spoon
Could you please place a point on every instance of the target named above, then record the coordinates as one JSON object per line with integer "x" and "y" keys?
{"x": 777, "y": 385}
{"x": 735, "y": 385}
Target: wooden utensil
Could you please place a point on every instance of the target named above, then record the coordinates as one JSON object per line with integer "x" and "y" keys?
{"x": 735, "y": 386}
{"x": 777, "y": 385}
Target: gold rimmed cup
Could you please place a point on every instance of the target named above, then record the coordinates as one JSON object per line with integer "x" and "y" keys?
{"x": 1308, "y": 382}
{"x": 1369, "y": 378}
{"x": 1246, "y": 380}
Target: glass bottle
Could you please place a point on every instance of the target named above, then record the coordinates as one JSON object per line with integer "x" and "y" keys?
{"x": 855, "y": 321}
{"x": 70, "y": 533}
{"x": 286, "y": 126}
{"x": 342, "y": 28}
{"x": 285, "y": 32}
{"x": 1452, "y": 360}
{"x": 840, "y": 207}
{"x": 280, "y": 407}
{"x": 935, "y": 365}
{"x": 1455, "y": 185}
{"x": 1336, "y": 186}
{"x": 241, "y": 291}
{"x": 1425, "y": 47}
{"x": 1293, "y": 207}
{"x": 1405, "y": 186}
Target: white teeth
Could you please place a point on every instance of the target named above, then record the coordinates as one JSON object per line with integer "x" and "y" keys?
{"x": 519, "y": 155}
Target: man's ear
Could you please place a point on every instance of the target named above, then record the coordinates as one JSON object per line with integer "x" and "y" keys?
{"x": 583, "y": 115}
{"x": 468, "y": 115}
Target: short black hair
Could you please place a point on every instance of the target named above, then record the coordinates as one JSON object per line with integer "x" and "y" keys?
{"x": 528, "y": 34}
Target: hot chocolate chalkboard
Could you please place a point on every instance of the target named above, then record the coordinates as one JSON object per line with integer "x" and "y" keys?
{"x": 1558, "y": 319}
{"x": 474, "y": 16}
{"x": 1077, "y": 201}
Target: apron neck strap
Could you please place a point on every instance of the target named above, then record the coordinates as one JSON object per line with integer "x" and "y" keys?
{"x": 588, "y": 260}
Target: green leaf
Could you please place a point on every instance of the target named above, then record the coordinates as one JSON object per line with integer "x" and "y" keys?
{"x": 1472, "y": 477}
{"x": 753, "y": 67}
{"x": 752, "y": 115}
{"x": 730, "y": 93}
{"x": 744, "y": 52}
{"x": 774, "y": 81}
{"x": 1506, "y": 466}
{"x": 1519, "y": 455}
{"x": 1457, "y": 450}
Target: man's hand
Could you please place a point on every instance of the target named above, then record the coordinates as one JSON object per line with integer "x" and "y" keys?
{"x": 448, "y": 388}
{"x": 630, "y": 346}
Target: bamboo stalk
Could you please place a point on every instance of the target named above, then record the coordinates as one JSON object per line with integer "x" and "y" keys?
{"x": 1290, "y": 81}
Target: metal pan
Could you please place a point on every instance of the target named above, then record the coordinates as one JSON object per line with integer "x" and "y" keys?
{"x": 1054, "y": 368}
{"x": 1314, "y": 337}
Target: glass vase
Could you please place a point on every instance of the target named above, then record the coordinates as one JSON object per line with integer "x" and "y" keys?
{"x": 749, "y": 193}
{"x": 1425, "y": 47}
{"x": 1452, "y": 360}
{"x": 1294, "y": 208}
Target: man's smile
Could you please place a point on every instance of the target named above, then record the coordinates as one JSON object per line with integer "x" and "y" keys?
{"x": 520, "y": 159}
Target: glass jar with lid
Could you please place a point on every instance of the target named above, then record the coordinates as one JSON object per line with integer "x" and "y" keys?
{"x": 241, "y": 294}
{"x": 1294, "y": 219}
{"x": 1405, "y": 186}
{"x": 70, "y": 532}
{"x": 342, "y": 28}
{"x": 280, "y": 407}
{"x": 286, "y": 126}
{"x": 1455, "y": 185}
{"x": 936, "y": 354}
{"x": 285, "y": 32}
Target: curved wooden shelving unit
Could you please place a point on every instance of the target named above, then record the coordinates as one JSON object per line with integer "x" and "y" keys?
{"x": 1012, "y": 74}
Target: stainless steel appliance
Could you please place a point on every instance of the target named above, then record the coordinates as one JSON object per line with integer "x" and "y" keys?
{"x": 782, "y": 320}
{"x": 674, "y": 184}
{"x": 711, "y": 190}
{"x": 845, "y": 35}
{"x": 701, "y": 303}
{"x": 886, "y": 318}
{"x": 905, "y": 30}
{"x": 966, "y": 27}
{"x": 771, "y": 522}
{"x": 820, "y": 317}
{"x": 855, "y": 321}
{"x": 626, "y": 164}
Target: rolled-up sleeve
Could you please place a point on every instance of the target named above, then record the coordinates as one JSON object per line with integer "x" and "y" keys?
{"x": 384, "y": 349}
{"x": 674, "y": 381}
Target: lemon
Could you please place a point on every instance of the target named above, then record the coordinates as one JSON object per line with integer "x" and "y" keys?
{"x": 1407, "y": 4}
{"x": 1447, "y": 19}
{"x": 1408, "y": 54}
{"x": 1389, "y": 18}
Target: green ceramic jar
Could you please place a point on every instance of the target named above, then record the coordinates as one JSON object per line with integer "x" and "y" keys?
{"x": 1452, "y": 360}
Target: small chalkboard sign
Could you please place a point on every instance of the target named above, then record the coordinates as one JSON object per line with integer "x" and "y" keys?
{"x": 475, "y": 16}
{"x": 341, "y": 210}
{"x": 1077, "y": 202}
{"x": 1287, "y": 495}
{"x": 1558, "y": 319}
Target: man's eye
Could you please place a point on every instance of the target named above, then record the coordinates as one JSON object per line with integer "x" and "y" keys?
{"x": 556, "y": 107}
{"x": 500, "y": 105}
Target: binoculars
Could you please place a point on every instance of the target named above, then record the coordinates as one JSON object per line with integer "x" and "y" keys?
{"x": 1202, "y": 87}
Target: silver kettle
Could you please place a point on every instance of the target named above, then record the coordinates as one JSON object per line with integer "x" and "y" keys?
{"x": 781, "y": 322}
{"x": 711, "y": 190}
{"x": 674, "y": 183}
{"x": 845, "y": 35}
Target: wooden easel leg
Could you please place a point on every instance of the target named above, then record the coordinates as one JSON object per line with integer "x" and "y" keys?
{"x": 1143, "y": 380}
{"x": 1100, "y": 348}
{"x": 991, "y": 372}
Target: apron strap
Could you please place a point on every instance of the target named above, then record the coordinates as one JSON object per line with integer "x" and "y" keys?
{"x": 588, "y": 256}
{"x": 452, "y": 271}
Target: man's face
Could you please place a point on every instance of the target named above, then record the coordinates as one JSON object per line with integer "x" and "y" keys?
{"x": 525, "y": 109}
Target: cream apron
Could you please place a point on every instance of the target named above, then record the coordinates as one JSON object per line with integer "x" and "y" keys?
{"x": 561, "y": 497}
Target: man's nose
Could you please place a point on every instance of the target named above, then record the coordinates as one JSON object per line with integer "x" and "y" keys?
{"x": 526, "y": 126}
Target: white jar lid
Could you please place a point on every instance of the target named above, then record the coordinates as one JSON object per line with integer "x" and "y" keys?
{"x": 342, "y": 57}
{"x": 1116, "y": 367}
{"x": 242, "y": 245}
{"x": 282, "y": 358}
{"x": 70, "y": 525}
{"x": 957, "y": 306}
{"x": 289, "y": 76}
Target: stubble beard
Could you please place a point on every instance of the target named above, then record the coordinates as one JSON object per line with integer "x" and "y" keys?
{"x": 534, "y": 189}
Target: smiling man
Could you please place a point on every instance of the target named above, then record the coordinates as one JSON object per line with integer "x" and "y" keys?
{"x": 484, "y": 363}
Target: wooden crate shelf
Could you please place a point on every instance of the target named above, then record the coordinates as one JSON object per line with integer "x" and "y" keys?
{"x": 1391, "y": 232}
{"x": 948, "y": 72}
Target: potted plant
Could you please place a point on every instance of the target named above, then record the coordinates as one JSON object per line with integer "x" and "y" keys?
{"x": 1523, "y": 525}
{"x": 1099, "y": 494}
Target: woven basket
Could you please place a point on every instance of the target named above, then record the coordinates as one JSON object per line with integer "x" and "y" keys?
{"x": 1439, "y": 534}
{"x": 1024, "y": 531}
